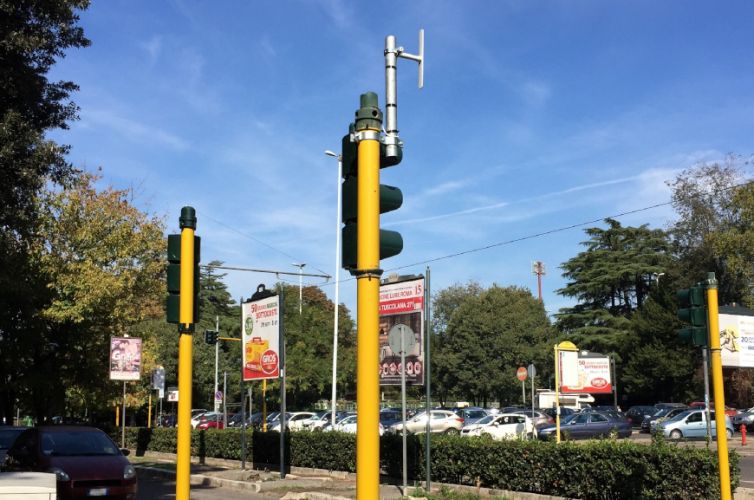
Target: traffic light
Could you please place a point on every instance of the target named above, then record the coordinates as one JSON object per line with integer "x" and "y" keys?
{"x": 174, "y": 278}
{"x": 210, "y": 337}
{"x": 693, "y": 310}
{"x": 391, "y": 198}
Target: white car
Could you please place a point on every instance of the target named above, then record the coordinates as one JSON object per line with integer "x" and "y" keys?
{"x": 348, "y": 424}
{"x": 293, "y": 421}
{"x": 502, "y": 426}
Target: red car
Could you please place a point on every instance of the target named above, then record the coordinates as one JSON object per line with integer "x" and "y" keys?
{"x": 211, "y": 420}
{"x": 85, "y": 460}
{"x": 731, "y": 412}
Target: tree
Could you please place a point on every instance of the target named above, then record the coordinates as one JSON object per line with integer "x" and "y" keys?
{"x": 32, "y": 36}
{"x": 610, "y": 279}
{"x": 488, "y": 336}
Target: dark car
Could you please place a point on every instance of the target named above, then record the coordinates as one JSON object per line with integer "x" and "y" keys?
{"x": 564, "y": 412}
{"x": 588, "y": 425}
{"x": 660, "y": 415}
{"x": 636, "y": 414}
{"x": 470, "y": 415}
{"x": 85, "y": 460}
{"x": 8, "y": 435}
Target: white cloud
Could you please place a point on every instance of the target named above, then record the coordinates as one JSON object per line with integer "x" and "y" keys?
{"x": 135, "y": 131}
{"x": 153, "y": 48}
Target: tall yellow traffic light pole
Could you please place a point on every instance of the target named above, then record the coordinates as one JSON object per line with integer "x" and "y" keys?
{"x": 717, "y": 383}
{"x": 185, "y": 354}
{"x": 368, "y": 124}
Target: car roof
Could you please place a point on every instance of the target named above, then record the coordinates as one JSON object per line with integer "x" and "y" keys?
{"x": 67, "y": 428}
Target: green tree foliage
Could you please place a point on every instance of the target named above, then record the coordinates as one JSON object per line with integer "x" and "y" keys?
{"x": 610, "y": 280}
{"x": 32, "y": 36}
{"x": 488, "y": 336}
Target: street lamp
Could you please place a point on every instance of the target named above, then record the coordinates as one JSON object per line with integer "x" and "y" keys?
{"x": 337, "y": 287}
{"x": 300, "y": 284}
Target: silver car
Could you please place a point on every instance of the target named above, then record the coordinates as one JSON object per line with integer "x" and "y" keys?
{"x": 441, "y": 421}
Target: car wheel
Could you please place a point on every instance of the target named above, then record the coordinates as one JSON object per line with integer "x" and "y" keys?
{"x": 676, "y": 434}
{"x": 729, "y": 433}
{"x": 452, "y": 431}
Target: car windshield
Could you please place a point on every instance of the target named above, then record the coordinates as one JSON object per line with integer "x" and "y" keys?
{"x": 7, "y": 436}
{"x": 486, "y": 420}
{"x": 681, "y": 415}
{"x": 77, "y": 443}
{"x": 661, "y": 412}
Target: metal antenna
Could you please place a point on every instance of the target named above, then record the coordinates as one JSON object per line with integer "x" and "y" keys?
{"x": 392, "y": 53}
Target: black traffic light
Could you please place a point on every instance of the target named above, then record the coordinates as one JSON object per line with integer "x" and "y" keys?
{"x": 174, "y": 278}
{"x": 693, "y": 310}
{"x": 391, "y": 198}
{"x": 210, "y": 337}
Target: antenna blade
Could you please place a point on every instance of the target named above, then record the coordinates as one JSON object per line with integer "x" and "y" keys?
{"x": 421, "y": 58}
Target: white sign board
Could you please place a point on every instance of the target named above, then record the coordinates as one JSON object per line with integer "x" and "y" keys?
{"x": 737, "y": 340}
{"x": 569, "y": 368}
{"x": 172, "y": 396}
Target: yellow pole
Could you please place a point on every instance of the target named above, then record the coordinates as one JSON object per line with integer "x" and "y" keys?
{"x": 557, "y": 395}
{"x": 368, "y": 291}
{"x": 264, "y": 405}
{"x": 185, "y": 355}
{"x": 149, "y": 410}
{"x": 117, "y": 415}
{"x": 717, "y": 383}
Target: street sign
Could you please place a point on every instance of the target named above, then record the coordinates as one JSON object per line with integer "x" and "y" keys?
{"x": 219, "y": 397}
{"x": 531, "y": 371}
{"x": 394, "y": 338}
{"x": 521, "y": 373}
{"x": 173, "y": 396}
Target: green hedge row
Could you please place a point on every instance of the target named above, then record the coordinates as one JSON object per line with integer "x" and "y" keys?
{"x": 605, "y": 469}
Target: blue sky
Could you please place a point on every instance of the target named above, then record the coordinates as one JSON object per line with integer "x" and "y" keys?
{"x": 534, "y": 116}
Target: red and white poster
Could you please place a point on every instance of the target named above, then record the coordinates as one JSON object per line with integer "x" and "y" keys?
{"x": 592, "y": 375}
{"x": 402, "y": 302}
{"x": 125, "y": 358}
{"x": 261, "y": 339}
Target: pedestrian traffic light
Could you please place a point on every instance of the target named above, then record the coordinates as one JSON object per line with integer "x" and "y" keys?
{"x": 391, "y": 198}
{"x": 174, "y": 278}
{"x": 693, "y": 311}
{"x": 210, "y": 337}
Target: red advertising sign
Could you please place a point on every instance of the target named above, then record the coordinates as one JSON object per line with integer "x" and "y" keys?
{"x": 402, "y": 302}
{"x": 593, "y": 376}
{"x": 261, "y": 339}
{"x": 125, "y": 358}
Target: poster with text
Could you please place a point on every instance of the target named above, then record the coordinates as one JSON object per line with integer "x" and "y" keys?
{"x": 125, "y": 358}
{"x": 402, "y": 303}
{"x": 261, "y": 339}
{"x": 592, "y": 376}
{"x": 737, "y": 340}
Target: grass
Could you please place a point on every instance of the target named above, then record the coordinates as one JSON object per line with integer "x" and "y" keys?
{"x": 446, "y": 493}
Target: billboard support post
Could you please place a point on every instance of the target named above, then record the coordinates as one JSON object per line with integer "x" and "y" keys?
{"x": 123, "y": 420}
{"x": 705, "y": 370}
{"x": 428, "y": 375}
{"x": 559, "y": 379}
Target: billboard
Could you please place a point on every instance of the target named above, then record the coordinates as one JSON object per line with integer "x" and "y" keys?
{"x": 592, "y": 375}
{"x": 737, "y": 340}
{"x": 125, "y": 358}
{"x": 260, "y": 326}
{"x": 402, "y": 302}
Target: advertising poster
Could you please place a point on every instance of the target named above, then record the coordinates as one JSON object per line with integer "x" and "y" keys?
{"x": 592, "y": 375}
{"x": 737, "y": 340}
{"x": 261, "y": 339}
{"x": 125, "y": 358}
{"x": 402, "y": 302}
{"x": 569, "y": 374}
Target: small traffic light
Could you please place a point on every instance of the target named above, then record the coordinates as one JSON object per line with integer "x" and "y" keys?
{"x": 693, "y": 310}
{"x": 210, "y": 337}
{"x": 174, "y": 278}
{"x": 391, "y": 198}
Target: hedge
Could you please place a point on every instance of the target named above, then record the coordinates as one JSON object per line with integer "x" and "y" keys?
{"x": 604, "y": 469}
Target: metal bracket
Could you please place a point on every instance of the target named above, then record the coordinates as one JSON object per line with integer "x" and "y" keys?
{"x": 366, "y": 273}
{"x": 366, "y": 135}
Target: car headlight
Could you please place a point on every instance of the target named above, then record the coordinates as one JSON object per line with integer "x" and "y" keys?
{"x": 129, "y": 472}
{"x": 60, "y": 474}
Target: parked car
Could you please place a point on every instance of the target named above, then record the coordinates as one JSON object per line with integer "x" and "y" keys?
{"x": 348, "y": 425}
{"x": 293, "y": 421}
{"x": 564, "y": 412}
{"x": 588, "y": 425}
{"x": 196, "y": 416}
{"x": 670, "y": 405}
{"x": 692, "y": 424}
{"x": 743, "y": 418}
{"x": 470, "y": 414}
{"x": 169, "y": 421}
{"x": 390, "y": 417}
{"x": 85, "y": 460}
{"x": 8, "y": 435}
{"x": 649, "y": 423}
{"x": 636, "y": 414}
{"x": 501, "y": 426}
{"x": 211, "y": 422}
{"x": 538, "y": 418}
{"x": 441, "y": 421}
{"x": 700, "y": 405}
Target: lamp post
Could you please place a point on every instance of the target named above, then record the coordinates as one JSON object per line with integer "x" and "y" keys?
{"x": 300, "y": 284}
{"x": 337, "y": 288}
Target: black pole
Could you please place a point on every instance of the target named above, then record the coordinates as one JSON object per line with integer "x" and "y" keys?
{"x": 427, "y": 374}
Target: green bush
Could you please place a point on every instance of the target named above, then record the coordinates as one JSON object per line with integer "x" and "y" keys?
{"x": 605, "y": 469}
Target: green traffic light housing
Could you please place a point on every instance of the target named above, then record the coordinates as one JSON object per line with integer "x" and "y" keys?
{"x": 173, "y": 304}
{"x": 210, "y": 337}
{"x": 693, "y": 310}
